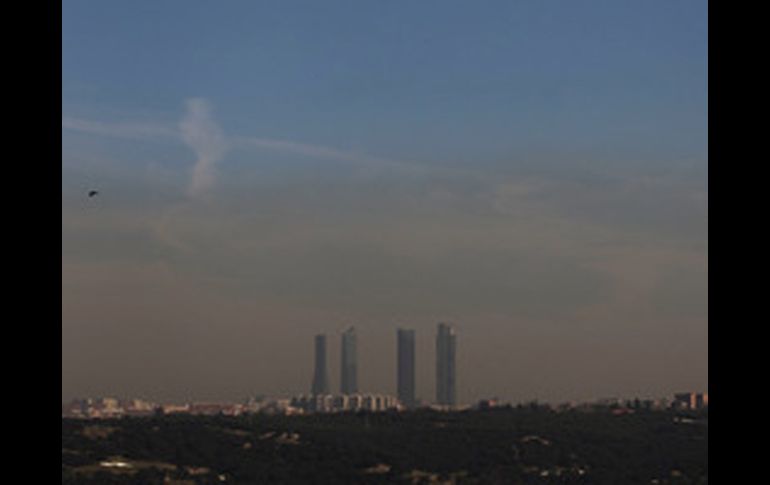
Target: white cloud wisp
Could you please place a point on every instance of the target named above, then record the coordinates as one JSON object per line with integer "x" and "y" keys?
{"x": 204, "y": 136}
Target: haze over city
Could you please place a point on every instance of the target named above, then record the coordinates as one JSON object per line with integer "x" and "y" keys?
{"x": 268, "y": 171}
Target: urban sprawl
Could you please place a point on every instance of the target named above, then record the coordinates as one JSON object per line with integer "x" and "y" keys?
{"x": 349, "y": 398}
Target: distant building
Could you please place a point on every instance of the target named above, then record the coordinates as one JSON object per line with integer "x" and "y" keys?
{"x": 254, "y": 404}
{"x": 77, "y": 408}
{"x": 138, "y": 407}
{"x": 405, "y": 372}
{"x": 175, "y": 408}
{"x": 105, "y": 407}
{"x": 349, "y": 365}
{"x": 213, "y": 409}
{"x": 279, "y": 406}
{"x": 446, "y": 348}
{"x": 609, "y": 402}
{"x": 110, "y": 404}
{"x": 320, "y": 380}
{"x": 488, "y": 404}
{"x": 691, "y": 400}
{"x": 340, "y": 403}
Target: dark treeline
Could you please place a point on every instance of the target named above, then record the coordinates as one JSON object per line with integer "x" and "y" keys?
{"x": 525, "y": 445}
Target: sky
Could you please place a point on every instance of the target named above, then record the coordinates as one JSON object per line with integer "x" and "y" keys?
{"x": 533, "y": 172}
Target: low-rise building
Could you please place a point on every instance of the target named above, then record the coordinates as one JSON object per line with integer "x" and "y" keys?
{"x": 690, "y": 400}
{"x": 347, "y": 402}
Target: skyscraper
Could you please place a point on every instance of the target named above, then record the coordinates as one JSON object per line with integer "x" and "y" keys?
{"x": 446, "y": 346}
{"x": 406, "y": 367}
{"x": 349, "y": 367}
{"x": 320, "y": 382}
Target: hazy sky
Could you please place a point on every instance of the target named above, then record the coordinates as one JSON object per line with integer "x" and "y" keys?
{"x": 534, "y": 172}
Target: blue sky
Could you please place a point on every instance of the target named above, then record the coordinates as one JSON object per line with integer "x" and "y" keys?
{"x": 535, "y": 171}
{"x": 435, "y": 79}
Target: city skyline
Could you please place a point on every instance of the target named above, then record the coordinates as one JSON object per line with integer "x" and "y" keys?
{"x": 269, "y": 171}
{"x": 406, "y": 388}
{"x": 444, "y": 358}
{"x": 427, "y": 392}
{"x": 107, "y": 407}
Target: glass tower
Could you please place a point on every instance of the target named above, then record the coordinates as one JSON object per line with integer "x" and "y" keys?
{"x": 406, "y": 367}
{"x": 446, "y": 346}
{"x": 320, "y": 381}
{"x": 349, "y": 367}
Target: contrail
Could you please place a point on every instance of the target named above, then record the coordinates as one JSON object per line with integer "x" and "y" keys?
{"x": 200, "y": 132}
{"x": 120, "y": 130}
{"x": 204, "y": 136}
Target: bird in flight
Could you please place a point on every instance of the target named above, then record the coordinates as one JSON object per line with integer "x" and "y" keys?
{"x": 92, "y": 193}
